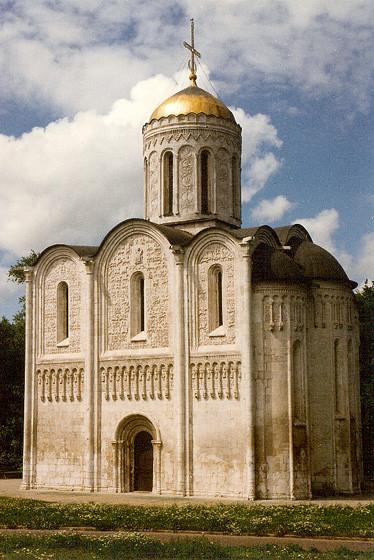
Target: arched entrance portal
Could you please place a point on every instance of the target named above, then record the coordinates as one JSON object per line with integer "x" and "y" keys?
{"x": 137, "y": 456}
{"x": 143, "y": 462}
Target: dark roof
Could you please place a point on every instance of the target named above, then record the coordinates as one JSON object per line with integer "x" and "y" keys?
{"x": 293, "y": 234}
{"x": 175, "y": 236}
{"x": 84, "y": 250}
{"x": 319, "y": 264}
{"x": 274, "y": 264}
{"x": 80, "y": 250}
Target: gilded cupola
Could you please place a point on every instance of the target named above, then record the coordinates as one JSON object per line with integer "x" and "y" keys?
{"x": 192, "y": 153}
{"x": 192, "y": 100}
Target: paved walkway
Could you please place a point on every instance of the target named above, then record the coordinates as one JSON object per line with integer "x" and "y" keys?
{"x": 11, "y": 489}
{"x": 321, "y": 544}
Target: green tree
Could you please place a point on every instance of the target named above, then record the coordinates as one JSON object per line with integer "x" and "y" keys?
{"x": 365, "y": 303}
{"x": 12, "y": 365}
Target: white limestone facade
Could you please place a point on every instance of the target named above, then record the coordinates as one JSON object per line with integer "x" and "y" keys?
{"x": 186, "y": 355}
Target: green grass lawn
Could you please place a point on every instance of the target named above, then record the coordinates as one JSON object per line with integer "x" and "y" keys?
{"x": 131, "y": 546}
{"x": 235, "y": 519}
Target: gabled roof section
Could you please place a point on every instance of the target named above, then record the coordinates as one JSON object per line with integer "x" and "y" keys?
{"x": 173, "y": 235}
{"x": 293, "y": 234}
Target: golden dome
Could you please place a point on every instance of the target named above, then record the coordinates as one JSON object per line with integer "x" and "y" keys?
{"x": 192, "y": 100}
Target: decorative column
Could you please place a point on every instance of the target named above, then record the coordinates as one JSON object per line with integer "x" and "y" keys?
{"x": 115, "y": 446}
{"x": 176, "y": 185}
{"x": 290, "y": 405}
{"x": 247, "y": 362}
{"x": 27, "y": 430}
{"x": 179, "y": 370}
{"x": 156, "y": 466}
{"x": 196, "y": 183}
{"x": 89, "y": 389}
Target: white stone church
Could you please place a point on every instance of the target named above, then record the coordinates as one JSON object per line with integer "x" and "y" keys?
{"x": 186, "y": 355}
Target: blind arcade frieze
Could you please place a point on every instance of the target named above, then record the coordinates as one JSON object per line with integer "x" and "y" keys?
{"x": 137, "y": 381}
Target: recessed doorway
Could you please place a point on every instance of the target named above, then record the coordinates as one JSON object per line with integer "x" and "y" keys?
{"x": 137, "y": 455}
{"x": 143, "y": 462}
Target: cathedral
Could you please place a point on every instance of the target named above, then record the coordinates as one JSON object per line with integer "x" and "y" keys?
{"x": 186, "y": 355}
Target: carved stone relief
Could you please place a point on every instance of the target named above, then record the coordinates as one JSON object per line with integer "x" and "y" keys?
{"x": 132, "y": 380}
{"x": 224, "y": 196}
{"x": 62, "y": 270}
{"x": 215, "y": 378}
{"x": 340, "y": 307}
{"x": 274, "y": 312}
{"x": 298, "y": 312}
{"x": 186, "y": 179}
{"x": 138, "y": 253}
{"x": 319, "y": 305}
{"x": 154, "y": 179}
{"x": 216, "y": 253}
{"x": 337, "y": 309}
{"x": 60, "y": 384}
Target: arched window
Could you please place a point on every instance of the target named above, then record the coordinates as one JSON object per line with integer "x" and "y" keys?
{"x": 215, "y": 298}
{"x": 62, "y": 312}
{"x": 204, "y": 180}
{"x": 137, "y": 304}
{"x": 168, "y": 184}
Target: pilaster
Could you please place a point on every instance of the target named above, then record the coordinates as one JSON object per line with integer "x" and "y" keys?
{"x": 247, "y": 362}
{"x": 89, "y": 394}
{"x": 29, "y": 366}
{"x": 180, "y": 370}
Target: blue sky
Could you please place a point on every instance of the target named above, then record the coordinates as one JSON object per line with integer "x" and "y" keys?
{"x": 78, "y": 79}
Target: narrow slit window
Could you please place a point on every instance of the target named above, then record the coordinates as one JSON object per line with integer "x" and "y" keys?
{"x": 219, "y": 298}
{"x": 137, "y": 304}
{"x": 204, "y": 181}
{"x": 141, "y": 303}
{"x": 215, "y": 298}
{"x": 168, "y": 184}
{"x": 62, "y": 312}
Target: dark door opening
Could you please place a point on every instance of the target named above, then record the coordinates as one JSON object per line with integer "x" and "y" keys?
{"x": 143, "y": 462}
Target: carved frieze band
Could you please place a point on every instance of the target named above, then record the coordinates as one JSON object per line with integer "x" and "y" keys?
{"x": 216, "y": 379}
{"x": 60, "y": 384}
{"x": 194, "y": 136}
{"x": 324, "y": 308}
{"x": 146, "y": 381}
{"x": 341, "y": 311}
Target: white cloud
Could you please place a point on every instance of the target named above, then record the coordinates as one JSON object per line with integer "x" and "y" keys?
{"x": 73, "y": 180}
{"x": 257, "y": 174}
{"x": 90, "y": 52}
{"x": 322, "y": 227}
{"x": 271, "y": 210}
{"x": 258, "y": 163}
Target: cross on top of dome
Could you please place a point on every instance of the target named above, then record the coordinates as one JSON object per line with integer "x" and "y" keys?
{"x": 194, "y": 52}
